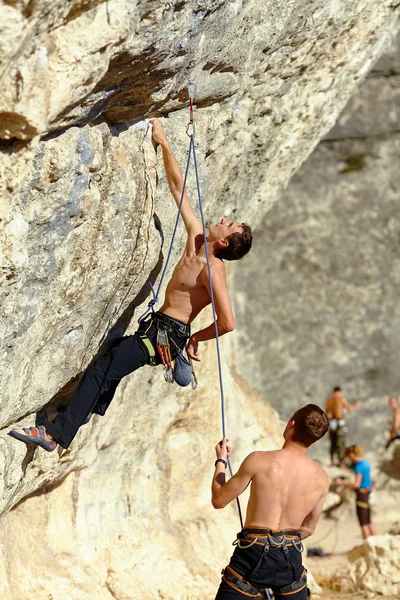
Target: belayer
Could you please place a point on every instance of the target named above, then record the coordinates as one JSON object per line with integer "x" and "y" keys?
{"x": 163, "y": 335}
{"x": 286, "y": 498}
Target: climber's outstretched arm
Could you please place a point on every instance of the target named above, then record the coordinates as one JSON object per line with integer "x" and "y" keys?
{"x": 175, "y": 180}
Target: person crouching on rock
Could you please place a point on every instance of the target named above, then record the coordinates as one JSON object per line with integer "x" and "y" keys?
{"x": 163, "y": 335}
{"x": 362, "y": 486}
{"x": 287, "y": 495}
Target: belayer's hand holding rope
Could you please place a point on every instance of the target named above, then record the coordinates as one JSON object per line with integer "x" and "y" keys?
{"x": 222, "y": 450}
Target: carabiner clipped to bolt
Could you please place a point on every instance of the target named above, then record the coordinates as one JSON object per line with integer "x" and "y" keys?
{"x": 192, "y": 89}
{"x": 97, "y": 177}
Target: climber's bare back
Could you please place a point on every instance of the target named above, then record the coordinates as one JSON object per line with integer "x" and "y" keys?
{"x": 285, "y": 489}
{"x": 187, "y": 292}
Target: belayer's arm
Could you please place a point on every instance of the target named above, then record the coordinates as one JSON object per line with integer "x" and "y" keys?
{"x": 175, "y": 180}
{"x": 310, "y": 522}
{"x": 222, "y": 491}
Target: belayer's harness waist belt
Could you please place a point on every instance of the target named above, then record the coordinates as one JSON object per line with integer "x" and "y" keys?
{"x": 268, "y": 539}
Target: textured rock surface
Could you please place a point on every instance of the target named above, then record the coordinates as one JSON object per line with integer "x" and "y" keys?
{"x": 374, "y": 566}
{"x": 375, "y": 110}
{"x": 137, "y": 521}
{"x": 327, "y": 312}
{"x": 82, "y": 221}
{"x": 66, "y": 64}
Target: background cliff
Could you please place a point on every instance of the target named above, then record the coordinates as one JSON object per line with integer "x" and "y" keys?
{"x": 327, "y": 255}
{"x": 125, "y": 512}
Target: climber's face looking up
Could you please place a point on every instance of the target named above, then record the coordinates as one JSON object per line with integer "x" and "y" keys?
{"x": 223, "y": 230}
{"x": 231, "y": 240}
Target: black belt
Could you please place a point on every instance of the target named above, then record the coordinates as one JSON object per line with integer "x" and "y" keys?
{"x": 270, "y": 532}
{"x": 174, "y": 323}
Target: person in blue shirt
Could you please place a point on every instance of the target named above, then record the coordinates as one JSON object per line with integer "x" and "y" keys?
{"x": 362, "y": 486}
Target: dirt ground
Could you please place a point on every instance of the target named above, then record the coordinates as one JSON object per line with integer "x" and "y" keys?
{"x": 336, "y": 535}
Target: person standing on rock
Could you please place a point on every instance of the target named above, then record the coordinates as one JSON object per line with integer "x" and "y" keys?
{"x": 394, "y": 432}
{"x": 287, "y": 495}
{"x": 335, "y": 407}
{"x": 163, "y": 335}
{"x": 362, "y": 486}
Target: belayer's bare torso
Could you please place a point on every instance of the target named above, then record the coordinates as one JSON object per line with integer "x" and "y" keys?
{"x": 285, "y": 489}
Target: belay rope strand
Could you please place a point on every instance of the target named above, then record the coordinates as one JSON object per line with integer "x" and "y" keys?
{"x": 154, "y": 300}
{"x": 221, "y": 386}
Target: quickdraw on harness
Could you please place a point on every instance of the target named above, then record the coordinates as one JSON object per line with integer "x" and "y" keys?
{"x": 164, "y": 350}
{"x": 190, "y": 131}
{"x": 271, "y": 540}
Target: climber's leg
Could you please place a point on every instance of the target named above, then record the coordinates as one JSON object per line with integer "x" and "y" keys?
{"x": 97, "y": 387}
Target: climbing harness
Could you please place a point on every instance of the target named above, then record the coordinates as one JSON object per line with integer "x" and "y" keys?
{"x": 157, "y": 332}
{"x": 272, "y": 539}
{"x": 238, "y": 583}
{"x": 165, "y": 356}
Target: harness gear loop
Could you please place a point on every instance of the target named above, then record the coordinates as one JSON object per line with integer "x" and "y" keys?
{"x": 274, "y": 543}
{"x": 298, "y": 546}
{"x": 239, "y": 543}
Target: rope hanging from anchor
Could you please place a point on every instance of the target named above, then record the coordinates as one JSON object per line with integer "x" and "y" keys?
{"x": 190, "y": 131}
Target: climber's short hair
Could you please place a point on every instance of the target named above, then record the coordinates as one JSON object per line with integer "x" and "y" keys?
{"x": 238, "y": 244}
{"x": 310, "y": 424}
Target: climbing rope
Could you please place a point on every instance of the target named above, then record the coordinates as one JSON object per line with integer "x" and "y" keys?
{"x": 154, "y": 300}
{"x": 221, "y": 386}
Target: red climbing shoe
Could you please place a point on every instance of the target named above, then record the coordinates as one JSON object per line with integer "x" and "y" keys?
{"x": 34, "y": 435}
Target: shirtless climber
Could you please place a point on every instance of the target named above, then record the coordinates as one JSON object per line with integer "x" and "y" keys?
{"x": 394, "y": 433}
{"x": 286, "y": 498}
{"x": 186, "y": 295}
{"x": 335, "y": 407}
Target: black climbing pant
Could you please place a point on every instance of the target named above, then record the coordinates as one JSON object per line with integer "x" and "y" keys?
{"x": 97, "y": 387}
{"x": 276, "y": 569}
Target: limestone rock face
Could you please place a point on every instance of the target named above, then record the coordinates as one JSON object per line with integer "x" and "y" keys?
{"x": 67, "y": 63}
{"x": 85, "y": 224}
{"x": 137, "y": 521}
{"x": 374, "y": 566}
{"x": 322, "y": 284}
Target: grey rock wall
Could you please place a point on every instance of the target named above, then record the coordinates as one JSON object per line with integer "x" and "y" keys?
{"x": 82, "y": 220}
{"x": 323, "y": 283}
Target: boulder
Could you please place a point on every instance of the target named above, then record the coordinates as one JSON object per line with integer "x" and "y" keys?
{"x": 374, "y": 565}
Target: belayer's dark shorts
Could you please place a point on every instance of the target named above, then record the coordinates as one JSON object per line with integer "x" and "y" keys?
{"x": 363, "y": 507}
{"x": 272, "y": 562}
